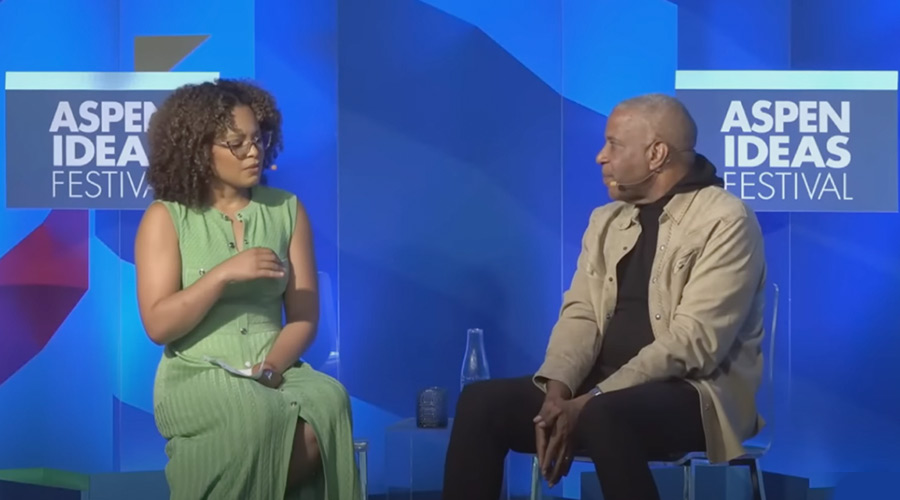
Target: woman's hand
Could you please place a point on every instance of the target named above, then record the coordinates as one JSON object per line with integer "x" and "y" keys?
{"x": 250, "y": 264}
{"x": 269, "y": 376}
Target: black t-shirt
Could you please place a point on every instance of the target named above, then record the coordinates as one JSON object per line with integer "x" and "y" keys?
{"x": 629, "y": 329}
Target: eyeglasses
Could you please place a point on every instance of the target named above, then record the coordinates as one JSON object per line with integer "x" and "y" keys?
{"x": 242, "y": 150}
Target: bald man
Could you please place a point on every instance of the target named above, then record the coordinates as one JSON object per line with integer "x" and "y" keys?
{"x": 656, "y": 350}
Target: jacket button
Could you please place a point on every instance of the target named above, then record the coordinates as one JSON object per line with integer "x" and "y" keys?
{"x": 610, "y": 279}
{"x": 653, "y": 280}
{"x": 657, "y": 316}
{"x": 608, "y": 316}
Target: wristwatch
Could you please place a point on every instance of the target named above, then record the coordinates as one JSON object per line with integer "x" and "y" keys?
{"x": 595, "y": 391}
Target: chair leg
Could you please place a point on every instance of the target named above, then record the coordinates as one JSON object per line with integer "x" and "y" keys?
{"x": 756, "y": 480}
{"x": 692, "y": 483}
{"x": 536, "y": 492}
{"x": 756, "y": 477}
{"x": 364, "y": 474}
{"x": 362, "y": 458}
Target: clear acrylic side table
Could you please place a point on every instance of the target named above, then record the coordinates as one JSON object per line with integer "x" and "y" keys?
{"x": 414, "y": 461}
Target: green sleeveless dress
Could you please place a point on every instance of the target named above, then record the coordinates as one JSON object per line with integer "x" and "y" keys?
{"x": 228, "y": 436}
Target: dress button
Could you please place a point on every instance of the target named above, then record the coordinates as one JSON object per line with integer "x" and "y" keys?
{"x": 610, "y": 278}
{"x": 653, "y": 280}
{"x": 225, "y": 217}
{"x": 243, "y": 331}
{"x": 231, "y": 245}
{"x": 662, "y": 247}
{"x": 202, "y": 272}
{"x": 657, "y": 316}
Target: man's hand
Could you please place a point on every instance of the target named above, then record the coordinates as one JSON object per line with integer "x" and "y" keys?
{"x": 543, "y": 427}
{"x": 557, "y": 394}
{"x": 557, "y": 389}
{"x": 555, "y": 458}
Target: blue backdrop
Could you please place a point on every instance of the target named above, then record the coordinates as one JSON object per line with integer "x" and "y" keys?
{"x": 444, "y": 150}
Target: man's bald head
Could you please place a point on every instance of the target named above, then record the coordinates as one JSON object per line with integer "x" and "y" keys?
{"x": 667, "y": 120}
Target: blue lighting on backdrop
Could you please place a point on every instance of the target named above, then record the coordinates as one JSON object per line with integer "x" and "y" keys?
{"x": 445, "y": 151}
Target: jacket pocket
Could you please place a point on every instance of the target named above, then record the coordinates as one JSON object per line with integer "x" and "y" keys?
{"x": 679, "y": 274}
{"x": 684, "y": 262}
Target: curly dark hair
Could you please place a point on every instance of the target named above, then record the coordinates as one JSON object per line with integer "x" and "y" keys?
{"x": 184, "y": 127}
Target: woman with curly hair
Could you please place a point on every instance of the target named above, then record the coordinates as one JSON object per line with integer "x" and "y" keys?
{"x": 218, "y": 256}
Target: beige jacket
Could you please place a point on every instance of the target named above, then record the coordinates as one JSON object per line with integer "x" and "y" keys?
{"x": 706, "y": 307}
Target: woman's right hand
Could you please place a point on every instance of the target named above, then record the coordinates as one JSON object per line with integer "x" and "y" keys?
{"x": 251, "y": 264}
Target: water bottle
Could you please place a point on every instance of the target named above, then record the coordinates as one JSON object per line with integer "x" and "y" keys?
{"x": 475, "y": 365}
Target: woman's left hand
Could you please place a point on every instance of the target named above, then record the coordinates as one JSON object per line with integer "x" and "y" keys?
{"x": 270, "y": 377}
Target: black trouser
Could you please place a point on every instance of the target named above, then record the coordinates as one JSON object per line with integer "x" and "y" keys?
{"x": 621, "y": 431}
